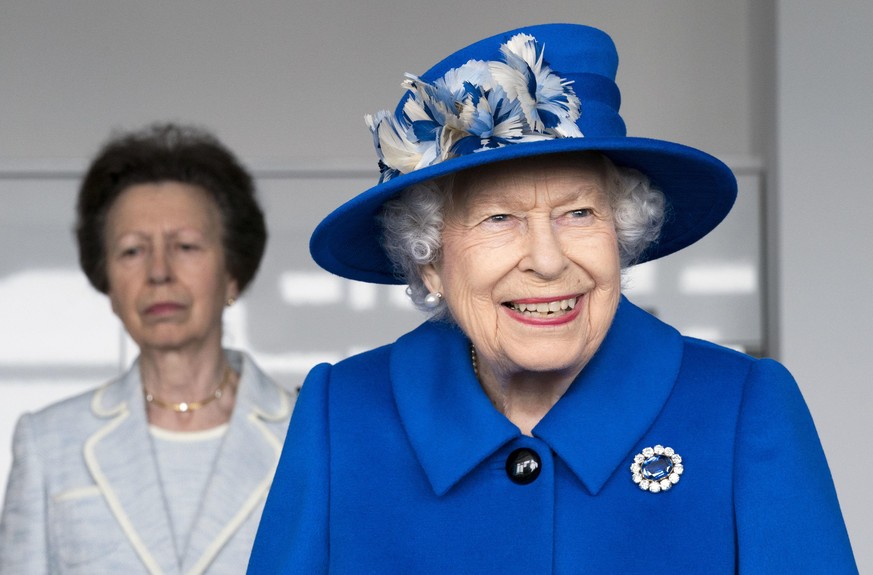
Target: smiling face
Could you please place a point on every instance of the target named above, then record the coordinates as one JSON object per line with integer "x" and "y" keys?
{"x": 165, "y": 264}
{"x": 530, "y": 264}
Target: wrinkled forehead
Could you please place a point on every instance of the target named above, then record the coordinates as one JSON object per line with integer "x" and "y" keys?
{"x": 557, "y": 178}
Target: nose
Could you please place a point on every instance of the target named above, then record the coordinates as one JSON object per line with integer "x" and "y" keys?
{"x": 543, "y": 253}
{"x": 160, "y": 269}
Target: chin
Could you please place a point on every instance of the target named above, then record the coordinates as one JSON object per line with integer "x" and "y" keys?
{"x": 546, "y": 363}
{"x": 164, "y": 343}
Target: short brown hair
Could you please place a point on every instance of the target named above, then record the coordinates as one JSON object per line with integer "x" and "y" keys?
{"x": 177, "y": 153}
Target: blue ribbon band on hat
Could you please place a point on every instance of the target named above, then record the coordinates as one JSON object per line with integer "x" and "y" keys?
{"x": 594, "y": 88}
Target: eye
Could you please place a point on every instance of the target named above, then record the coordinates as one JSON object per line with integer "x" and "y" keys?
{"x": 187, "y": 246}
{"x": 497, "y": 222}
{"x": 580, "y": 213}
{"x": 130, "y": 252}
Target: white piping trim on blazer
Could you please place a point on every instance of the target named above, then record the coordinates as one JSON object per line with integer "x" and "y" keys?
{"x": 109, "y": 494}
{"x": 78, "y": 493}
{"x": 97, "y": 402}
{"x": 251, "y": 503}
{"x": 283, "y": 410}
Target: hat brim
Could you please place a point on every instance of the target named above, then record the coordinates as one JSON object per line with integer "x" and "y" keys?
{"x": 700, "y": 191}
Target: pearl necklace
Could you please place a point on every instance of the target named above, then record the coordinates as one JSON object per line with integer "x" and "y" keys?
{"x": 189, "y": 406}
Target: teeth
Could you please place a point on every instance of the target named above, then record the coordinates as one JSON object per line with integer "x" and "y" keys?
{"x": 544, "y": 308}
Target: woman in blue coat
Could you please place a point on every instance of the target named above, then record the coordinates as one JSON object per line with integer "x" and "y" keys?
{"x": 540, "y": 422}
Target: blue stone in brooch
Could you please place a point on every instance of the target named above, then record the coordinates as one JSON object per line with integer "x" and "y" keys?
{"x": 657, "y": 468}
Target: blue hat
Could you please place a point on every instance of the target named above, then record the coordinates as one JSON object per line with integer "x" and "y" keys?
{"x": 546, "y": 89}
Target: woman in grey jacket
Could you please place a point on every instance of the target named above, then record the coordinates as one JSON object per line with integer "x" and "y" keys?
{"x": 164, "y": 469}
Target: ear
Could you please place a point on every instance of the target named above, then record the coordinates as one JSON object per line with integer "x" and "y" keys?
{"x": 430, "y": 275}
{"x": 232, "y": 291}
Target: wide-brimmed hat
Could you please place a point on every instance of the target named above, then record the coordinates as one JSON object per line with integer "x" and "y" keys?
{"x": 546, "y": 89}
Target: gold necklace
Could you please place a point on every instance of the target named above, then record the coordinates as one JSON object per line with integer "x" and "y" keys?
{"x": 189, "y": 406}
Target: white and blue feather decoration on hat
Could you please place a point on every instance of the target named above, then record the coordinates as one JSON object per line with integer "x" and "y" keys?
{"x": 478, "y": 106}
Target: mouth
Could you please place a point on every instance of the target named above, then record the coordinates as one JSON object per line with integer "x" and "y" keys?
{"x": 543, "y": 309}
{"x": 162, "y": 308}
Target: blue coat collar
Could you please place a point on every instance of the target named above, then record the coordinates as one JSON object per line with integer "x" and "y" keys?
{"x": 594, "y": 428}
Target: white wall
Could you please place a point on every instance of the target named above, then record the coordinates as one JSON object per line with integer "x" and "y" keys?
{"x": 294, "y": 79}
{"x": 287, "y": 84}
{"x": 825, "y": 178}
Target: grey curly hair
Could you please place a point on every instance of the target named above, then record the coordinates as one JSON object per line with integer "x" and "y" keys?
{"x": 412, "y": 222}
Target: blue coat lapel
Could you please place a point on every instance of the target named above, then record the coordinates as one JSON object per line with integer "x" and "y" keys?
{"x": 450, "y": 421}
{"x": 453, "y": 427}
{"x": 604, "y": 414}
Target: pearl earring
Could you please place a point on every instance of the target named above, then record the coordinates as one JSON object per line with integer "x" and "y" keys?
{"x": 432, "y": 300}
{"x": 230, "y": 301}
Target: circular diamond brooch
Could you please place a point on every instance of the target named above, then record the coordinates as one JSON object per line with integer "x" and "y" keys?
{"x": 657, "y": 469}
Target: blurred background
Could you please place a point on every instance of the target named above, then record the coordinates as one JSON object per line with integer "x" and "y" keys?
{"x": 781, "y": 91}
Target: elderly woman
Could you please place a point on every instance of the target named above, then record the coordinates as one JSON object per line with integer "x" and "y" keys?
{"x": 166, "y": 468}
{"x": 540, "y": 422}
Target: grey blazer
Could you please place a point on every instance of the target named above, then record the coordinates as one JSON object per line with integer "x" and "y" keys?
{"x": 84, "y": 496}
